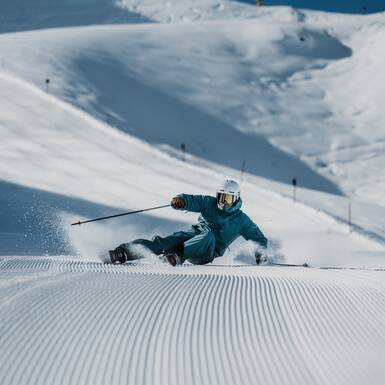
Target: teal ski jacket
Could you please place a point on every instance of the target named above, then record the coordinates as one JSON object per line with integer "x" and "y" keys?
{"x": 227, "y": 224}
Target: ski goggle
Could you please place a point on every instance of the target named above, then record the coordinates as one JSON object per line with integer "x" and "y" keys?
{"x": 226, "y": 199}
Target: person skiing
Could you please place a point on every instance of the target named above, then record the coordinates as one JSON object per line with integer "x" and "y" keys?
{"x": 220, "y": 223}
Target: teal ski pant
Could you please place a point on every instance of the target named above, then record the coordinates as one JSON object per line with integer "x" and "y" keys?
{"x": 199, "y": 247}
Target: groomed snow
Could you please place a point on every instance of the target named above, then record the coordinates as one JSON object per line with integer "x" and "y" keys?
{"x": 72, "y": 322}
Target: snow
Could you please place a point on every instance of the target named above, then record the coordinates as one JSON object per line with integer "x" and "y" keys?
{"x": 293, "y": 93}
{"x": 67, "y": 152}
{"x": 300, "y": 104}
{"x": 137, "y": 325}
{"x": 24, "y": 15}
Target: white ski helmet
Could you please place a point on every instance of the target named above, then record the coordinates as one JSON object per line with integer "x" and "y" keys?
{"x": 228, "y": 193}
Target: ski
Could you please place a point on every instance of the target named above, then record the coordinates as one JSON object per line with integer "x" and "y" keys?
{"x": 305, "y": 264}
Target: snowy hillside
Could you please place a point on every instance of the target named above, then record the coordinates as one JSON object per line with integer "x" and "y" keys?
{"x": 21, "y": 15}
{"x": 96, "y": 99}
{"x": 65, "y": 151}
{"x": 297, "y": 95}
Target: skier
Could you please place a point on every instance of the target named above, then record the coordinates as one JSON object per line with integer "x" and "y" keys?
{"x": 220, "y": 223}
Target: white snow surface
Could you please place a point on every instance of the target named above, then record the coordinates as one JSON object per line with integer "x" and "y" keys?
{"x": 311, "y": 108}
{"x": 73, "y": 322}
{"x": 293, "y": 93}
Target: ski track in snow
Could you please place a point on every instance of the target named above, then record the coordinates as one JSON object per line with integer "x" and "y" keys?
{"x": 66, "y": 321}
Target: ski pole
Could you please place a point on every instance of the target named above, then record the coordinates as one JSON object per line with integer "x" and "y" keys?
{"x": 119, "y": 215}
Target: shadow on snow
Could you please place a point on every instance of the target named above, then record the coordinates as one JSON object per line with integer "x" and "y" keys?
{"x": 35, "y": 222}
{"x": 161, "y": 119}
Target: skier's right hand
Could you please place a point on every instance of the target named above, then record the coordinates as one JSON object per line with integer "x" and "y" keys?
{"x": 178, "y": 203}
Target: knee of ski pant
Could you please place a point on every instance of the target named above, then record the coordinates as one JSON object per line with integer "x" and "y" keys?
{"x": 170, "y": 242}
{"x": 138, "y": 241}
{"x": 201, "y": 249}
{"x": 202, "y": 259}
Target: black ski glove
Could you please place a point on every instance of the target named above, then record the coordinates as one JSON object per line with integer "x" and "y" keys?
{"x": 178, "y": 203}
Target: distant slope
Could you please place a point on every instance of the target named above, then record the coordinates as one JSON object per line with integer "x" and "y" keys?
{"x": 24, "y": 15}
{"x": 283, "y": 79}
{"x": 188, "y": 11}
{"x": 297, "y": 86}
{"x": 346, "y": 6}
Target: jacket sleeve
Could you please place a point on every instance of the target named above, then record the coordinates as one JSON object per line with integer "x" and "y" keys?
{"x": 251, "y": 231}
{"x": 195, "y": 203}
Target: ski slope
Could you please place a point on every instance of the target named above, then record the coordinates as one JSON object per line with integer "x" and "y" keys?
{"x": 129, "y": 82}
{"x": 72, "y": 322}
{"x": 75, "y": 320}
{"x": 310, "y": 109}
{"x": 98, "y": 169}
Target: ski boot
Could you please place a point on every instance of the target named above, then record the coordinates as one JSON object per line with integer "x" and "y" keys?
{"x": 260, "y": 259}
{"x": 174, "y": 256}
{"x": 121, "y": 254}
